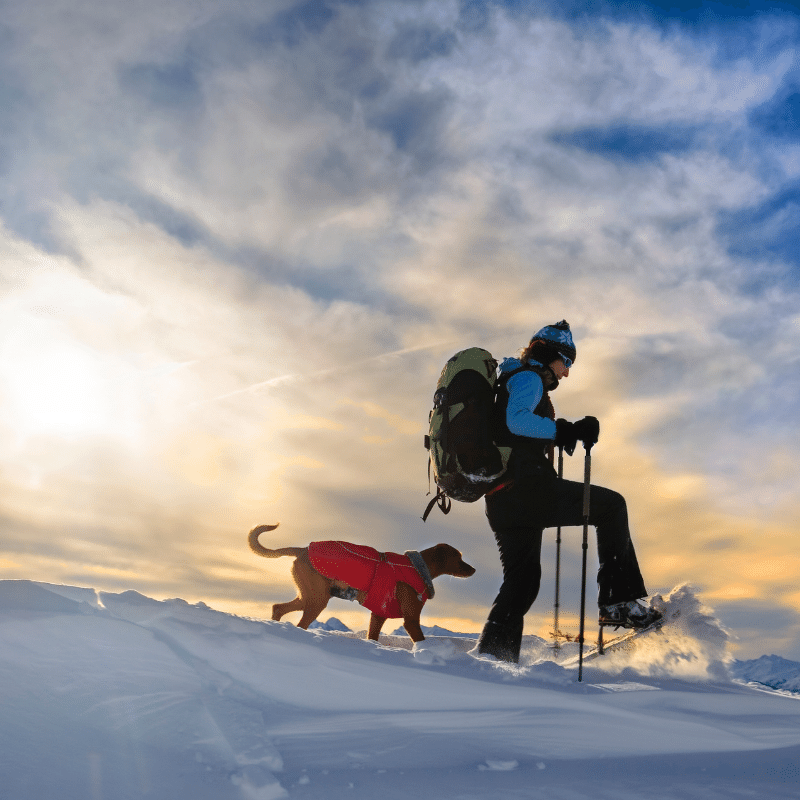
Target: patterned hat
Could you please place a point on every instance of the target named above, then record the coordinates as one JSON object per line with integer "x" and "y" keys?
{"x": 561, "y": 339}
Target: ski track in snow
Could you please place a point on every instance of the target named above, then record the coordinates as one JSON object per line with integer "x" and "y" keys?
{"x": 118, "y": 696}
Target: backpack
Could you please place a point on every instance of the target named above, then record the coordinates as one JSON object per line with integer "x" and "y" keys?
{"x": 463, "y": 457}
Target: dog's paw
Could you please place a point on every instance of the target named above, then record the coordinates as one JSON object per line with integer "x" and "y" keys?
{"x": 433, "y": 653}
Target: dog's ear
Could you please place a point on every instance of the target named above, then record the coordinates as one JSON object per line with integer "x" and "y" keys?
{"x": 443, "y": 556}
{"x": 451, "y": 562}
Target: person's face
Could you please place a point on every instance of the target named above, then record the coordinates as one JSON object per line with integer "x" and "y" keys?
{"x": 560, "y": 369}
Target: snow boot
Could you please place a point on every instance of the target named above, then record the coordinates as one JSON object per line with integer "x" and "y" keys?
{"x": 631, "y": 614}
{"x": 501, "y": 641}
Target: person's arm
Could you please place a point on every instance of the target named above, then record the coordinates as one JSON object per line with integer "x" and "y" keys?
{"x": 525, "y": 390}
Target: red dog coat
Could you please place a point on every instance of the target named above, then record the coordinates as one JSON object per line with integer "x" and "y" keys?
{"x": 367, "y": 570}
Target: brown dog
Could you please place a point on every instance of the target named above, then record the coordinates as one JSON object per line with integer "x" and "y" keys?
{"x": 396, "y": 586}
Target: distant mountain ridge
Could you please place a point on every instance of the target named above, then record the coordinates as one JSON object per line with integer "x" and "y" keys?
{"x": 772, "y": 671}
{"x": 334, "y": 624}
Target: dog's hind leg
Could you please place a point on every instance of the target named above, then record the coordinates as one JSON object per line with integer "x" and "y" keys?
{"x": 314, "y": 590}
{"x": 312, "y": 611}
{"x": 279, "y": 609}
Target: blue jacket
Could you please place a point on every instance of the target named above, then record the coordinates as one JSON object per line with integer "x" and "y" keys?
{"x": 525, "y": 390}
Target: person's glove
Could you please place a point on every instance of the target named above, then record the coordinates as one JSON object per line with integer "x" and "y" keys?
{"x": 587, "y": 430}
{"x": 566, "y": 436}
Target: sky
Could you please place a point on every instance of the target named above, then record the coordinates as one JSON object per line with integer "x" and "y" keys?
{"x": 239, "y": 241}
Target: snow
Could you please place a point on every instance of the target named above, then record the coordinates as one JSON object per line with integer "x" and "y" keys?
{"x": 116, "y": 696}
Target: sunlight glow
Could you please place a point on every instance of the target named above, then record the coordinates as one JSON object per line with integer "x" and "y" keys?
{"x": 59, "y": 390}
{"x": 55, "y": 386}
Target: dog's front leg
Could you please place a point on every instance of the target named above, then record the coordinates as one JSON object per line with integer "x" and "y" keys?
{"x": 375, "y": 625}
{"x": 411, "y": 606}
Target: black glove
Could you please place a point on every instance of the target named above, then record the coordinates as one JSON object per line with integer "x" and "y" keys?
{"x": 587, "y": 430}
{"x": 566, "y": 435}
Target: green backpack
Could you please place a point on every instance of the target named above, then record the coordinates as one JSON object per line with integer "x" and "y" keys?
{"x": 464, "y": 460}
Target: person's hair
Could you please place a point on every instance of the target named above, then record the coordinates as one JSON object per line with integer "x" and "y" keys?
{"x": 539, "y": 350}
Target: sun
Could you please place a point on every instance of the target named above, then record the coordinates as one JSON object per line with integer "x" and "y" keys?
{"x": 54, "y": 386}
{"x": 60, "y": 391}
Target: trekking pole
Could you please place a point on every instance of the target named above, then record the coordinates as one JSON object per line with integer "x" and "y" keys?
{"x": 587, "y": 471}
{"x": 557, "y": 604}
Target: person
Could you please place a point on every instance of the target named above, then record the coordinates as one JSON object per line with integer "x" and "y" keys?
{"x": 532, "y": 498}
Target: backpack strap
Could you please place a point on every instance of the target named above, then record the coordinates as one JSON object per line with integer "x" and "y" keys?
{"x": 542, "y": 373}
{"x": 506, "y": 376}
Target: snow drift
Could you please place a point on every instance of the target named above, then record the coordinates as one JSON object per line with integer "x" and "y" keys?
{"x": 116, "y": 696}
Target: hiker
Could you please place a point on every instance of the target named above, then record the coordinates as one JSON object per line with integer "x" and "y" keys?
{"x": 533, "y": 498}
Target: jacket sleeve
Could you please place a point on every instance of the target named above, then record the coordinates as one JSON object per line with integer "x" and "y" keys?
{"x": 525, "y": 390}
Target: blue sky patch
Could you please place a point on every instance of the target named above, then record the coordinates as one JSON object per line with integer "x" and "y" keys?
{"x": 780, "y": 115}
{"x": 413, "y": 122}
{"x": 767, "y": 231}
{"x": 417, "y": 43}
{"x": 635, "y": 143}
{"x": 729, "y": 27}
{"x": 687, "y": 12}
{"x": 292, "y": 26}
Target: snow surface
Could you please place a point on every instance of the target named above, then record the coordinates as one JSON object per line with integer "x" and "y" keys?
{"x": 111, "y": 696}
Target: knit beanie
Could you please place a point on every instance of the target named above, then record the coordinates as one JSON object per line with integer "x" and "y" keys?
{"x": 559, "y": 338}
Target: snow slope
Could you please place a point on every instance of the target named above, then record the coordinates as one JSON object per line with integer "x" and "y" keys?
{"x": 112, "y": 696}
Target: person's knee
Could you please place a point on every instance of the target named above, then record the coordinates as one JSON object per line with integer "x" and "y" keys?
{"x": 618, "y": 501}
{"x": 607, "y": 505}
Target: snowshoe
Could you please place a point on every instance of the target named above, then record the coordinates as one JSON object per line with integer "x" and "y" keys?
{"x": 631, "y": 614}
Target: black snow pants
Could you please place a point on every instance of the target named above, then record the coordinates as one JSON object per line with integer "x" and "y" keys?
{"x": 518, "y": 516}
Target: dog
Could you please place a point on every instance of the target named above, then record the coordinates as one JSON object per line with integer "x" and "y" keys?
{"x": 388, "y": 584}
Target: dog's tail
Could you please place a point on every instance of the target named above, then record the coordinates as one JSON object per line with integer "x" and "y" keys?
{"x": 260, "y": 550}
